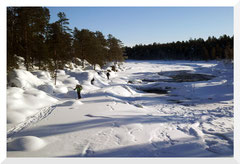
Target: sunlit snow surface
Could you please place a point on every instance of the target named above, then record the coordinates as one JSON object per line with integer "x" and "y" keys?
{"x": 115, "y": 118}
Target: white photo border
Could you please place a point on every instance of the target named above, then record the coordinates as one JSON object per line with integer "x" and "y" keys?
{"x": 122, "y": 3}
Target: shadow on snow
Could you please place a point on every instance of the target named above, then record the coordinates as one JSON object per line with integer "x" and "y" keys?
{"x": 50, "y": 130}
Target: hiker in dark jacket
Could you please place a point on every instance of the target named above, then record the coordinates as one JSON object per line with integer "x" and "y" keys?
{"x": 78, "y": 88}
{"x": 92, "y": 81}
{"x": 108, "y": 74}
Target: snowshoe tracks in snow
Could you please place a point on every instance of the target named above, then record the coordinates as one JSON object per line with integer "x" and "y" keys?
{"x": 43, "y": 113}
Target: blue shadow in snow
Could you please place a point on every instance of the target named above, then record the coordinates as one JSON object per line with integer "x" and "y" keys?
{"x": 100, "y": 121}
{"x": 160, "y": 149}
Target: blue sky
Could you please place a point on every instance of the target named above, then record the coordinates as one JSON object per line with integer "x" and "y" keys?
{"x": 145, "y": 25}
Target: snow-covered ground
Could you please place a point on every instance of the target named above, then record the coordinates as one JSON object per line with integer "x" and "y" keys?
{"x": 116, "y": 118}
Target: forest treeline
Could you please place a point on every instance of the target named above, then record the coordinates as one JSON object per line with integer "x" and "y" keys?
{"x": 195, "y": 49}
{"x": 50, "y": 46}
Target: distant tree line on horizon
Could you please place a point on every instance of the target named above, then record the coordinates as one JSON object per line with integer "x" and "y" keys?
{"x": 50, "y": 46}
{"x": 198, "y": 49}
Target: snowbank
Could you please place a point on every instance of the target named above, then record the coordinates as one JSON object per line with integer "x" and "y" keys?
{"x": 84, "y": 78}
{"x": 23, "y": 79}
{"x": 43, "y": 75}
{"x": 29, "y": 92}
{"x": 24, "y": 103}
{"x": 48, "y": 88}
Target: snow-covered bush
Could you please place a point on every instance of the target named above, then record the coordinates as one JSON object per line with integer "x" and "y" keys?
{"x": 98, "y": 67}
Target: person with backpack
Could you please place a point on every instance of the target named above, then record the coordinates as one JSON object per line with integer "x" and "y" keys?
{"x": 108, "y": 74}
{"x": 78, "y": 88}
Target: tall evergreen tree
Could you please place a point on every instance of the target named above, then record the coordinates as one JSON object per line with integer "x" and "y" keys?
{"x": 59, "y": 44}
{"x": 101, "y": 48}
{"x": 115, "y": 52}
{"x": 213, "y": 53}
{"x": 54, "y": 47}
{"x": 39, "y": 46}
{"x": 65, "y": 41}
{"x": 82, "y": 44}
{"x": 24, "y": 23}
{"x": 11, "y": 39}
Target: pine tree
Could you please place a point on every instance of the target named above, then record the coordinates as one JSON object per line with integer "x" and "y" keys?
{"x": 228, "y": 52}
{"x": 213, "y": 53}
{"x": 205, "y": 54}
{"x": 115, "y": 52}
{"x": 24, "y": 33}
{"x": 39, "y": 46}
{"x": 77, "y": 49}
{"x": 63, "y": 21}
{"x": 54, "y": 47}
{"x": 59, "y": 43}
{"x": 101, "y": 48}
{"x": 65, "y": 41}
{"x": 82, "y": 44}
{"x": 11, "y": 39}
{"x": 93, "y": 50}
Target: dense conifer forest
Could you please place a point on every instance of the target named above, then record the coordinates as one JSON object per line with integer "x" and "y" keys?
{"x": 195, "y": 49}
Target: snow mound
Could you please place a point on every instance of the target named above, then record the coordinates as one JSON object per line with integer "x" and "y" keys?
{"x": 85, "y": 78}
{"x": 20, "y": 61}
{"x": 46, "y": 88}
{"x": 42, "y": 75}
{"x": 100, "y": 80}
{"x": 76, "y": 103}
{"x": 26, "y": 143}
{"x": 65, "y": 82}
{"x": 23, "y": 79}
{"x": 24, "y": 103}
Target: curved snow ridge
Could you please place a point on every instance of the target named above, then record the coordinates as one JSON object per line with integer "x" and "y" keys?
{"x": 43, "y": 113}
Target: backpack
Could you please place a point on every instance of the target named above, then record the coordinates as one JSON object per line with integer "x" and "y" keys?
{"x": 79, "y": 86}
